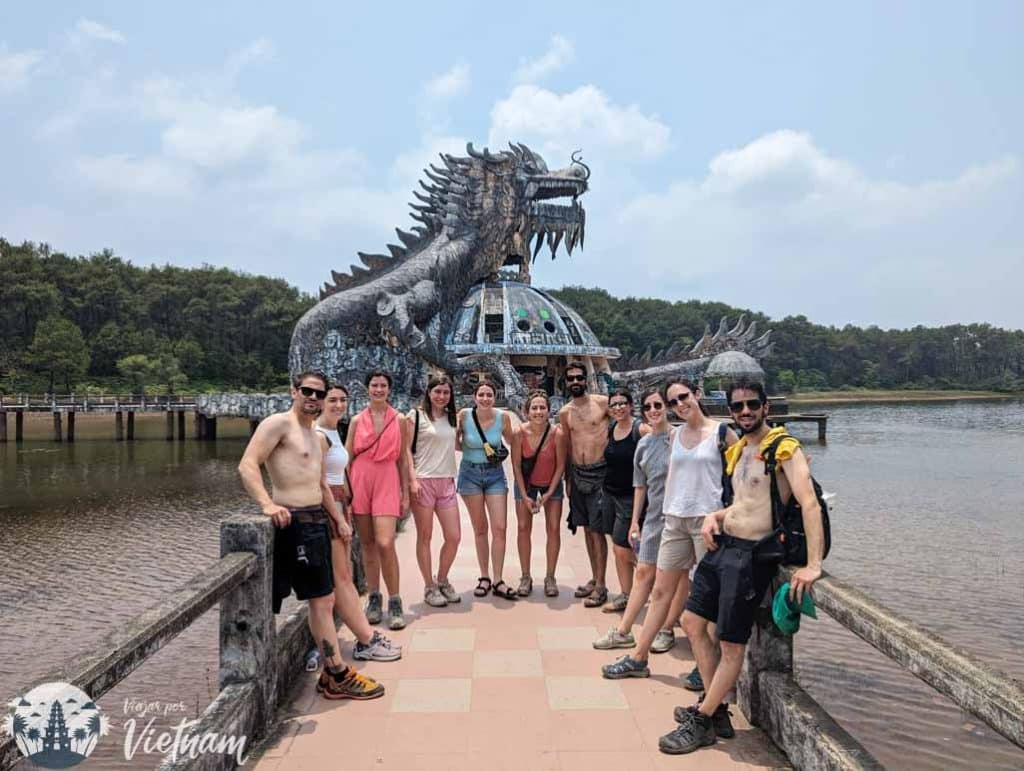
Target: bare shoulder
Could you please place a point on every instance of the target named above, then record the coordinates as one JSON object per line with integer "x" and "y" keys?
{"x": 276, "y": 424}
{"x": 645, "y": 429}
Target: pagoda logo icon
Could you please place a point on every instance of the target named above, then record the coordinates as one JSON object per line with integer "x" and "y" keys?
{"x": 55, "y": 725}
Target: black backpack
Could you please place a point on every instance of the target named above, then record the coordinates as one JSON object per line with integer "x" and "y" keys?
{"x": 788, "y": 517}
{"x": 726, "y": 478}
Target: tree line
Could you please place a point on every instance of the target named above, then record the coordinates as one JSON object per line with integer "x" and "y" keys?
{"x": 100, "y": 322}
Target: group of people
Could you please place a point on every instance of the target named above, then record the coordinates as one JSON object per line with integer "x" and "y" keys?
{"x": 687, "y": 509}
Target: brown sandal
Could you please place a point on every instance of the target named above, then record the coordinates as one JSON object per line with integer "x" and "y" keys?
{"x": 597, "y": 599}
{"x": 586, "y": 589}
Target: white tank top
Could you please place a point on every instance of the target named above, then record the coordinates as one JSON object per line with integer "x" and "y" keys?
{"x": 435, "y": 447}
{"x": 694, "y": 484}
{"x": 337, "y": 456}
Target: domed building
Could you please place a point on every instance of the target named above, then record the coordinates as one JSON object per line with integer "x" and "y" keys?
{"x": 534, "y": 331}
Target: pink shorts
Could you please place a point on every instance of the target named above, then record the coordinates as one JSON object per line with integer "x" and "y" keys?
{"x": 376, "y": 488}
{"x": 437, "y": 493}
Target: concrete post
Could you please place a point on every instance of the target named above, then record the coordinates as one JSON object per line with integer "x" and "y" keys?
{"x": 58, "y": 432}
{"x": 131, "y": 425}
{"x": 71, "y": 425}
{"x": 211, "y": 428}
{"x": 19, "y": 426}
{"x": 253, "y": 423}
{"x": 3, "y": 426}
{"x": 119, "y": 426}
{"x": 768, "y": 651}
{"x": 821, "y": 430}
{"x": 247, "y": 627}
{"x": 170, "y": 426}
{"x": 181, "y": 425}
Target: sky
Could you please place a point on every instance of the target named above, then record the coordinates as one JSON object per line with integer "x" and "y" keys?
{"x": 858, "y": 164}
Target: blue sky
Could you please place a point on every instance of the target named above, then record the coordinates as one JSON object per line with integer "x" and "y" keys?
{"x": 856, "y": 165}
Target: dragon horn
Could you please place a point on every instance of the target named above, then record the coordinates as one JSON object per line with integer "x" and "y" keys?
{"x": 579, "y": 160}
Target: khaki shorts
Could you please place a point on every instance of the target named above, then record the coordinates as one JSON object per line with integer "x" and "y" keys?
{"x": 681, "y": 544}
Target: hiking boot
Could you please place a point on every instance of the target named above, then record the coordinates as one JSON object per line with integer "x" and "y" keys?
{"x": 663, "y": 641}
{"x": 380, "y": 648}
{"x": 695, "y": 731}
{"x": 721, "y": 718}
{"x": 625, "y": 667}
{"x": 396, "y": 619}
{"x": 449, "y": 593}
{"x": 374, "y": 607}
{"x": 313, "y": 660}
{"x": 615, "y": 639}
{"x": 693, "y": 681}
{"x": 349, "y": 685}
{"x": 433, "y": 597}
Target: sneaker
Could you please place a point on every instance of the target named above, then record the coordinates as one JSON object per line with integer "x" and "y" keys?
{"x": 663, "y": 641}
{"x": 433, "y": 597}
{"x": 615, "y": 639}
{"x": 449, "y": 593}
{"x": 396, "y": 619}
{"x": 350, "y": 685}
{"x": 695, "y": 731}
{"x": 722, "y": 718}
{"x": 625, "y": 667}
{"x": 693, "y": 681}
{"x": 380, "y": 648}
{"x": 374, "y": 605}
{"x": 313, "y": 660}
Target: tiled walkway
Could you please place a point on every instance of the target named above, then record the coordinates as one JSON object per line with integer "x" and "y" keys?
{"x": 492, "y": 684}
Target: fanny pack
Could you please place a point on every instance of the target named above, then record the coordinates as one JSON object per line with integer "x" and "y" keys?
{"x": 495, "y": 455}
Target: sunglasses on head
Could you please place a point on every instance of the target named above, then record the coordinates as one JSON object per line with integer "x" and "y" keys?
{"x": 614, "y": 405}
{"x": 653, "y": 406}
{"x": 681, "y": 399}
{"x": 575, "y": 378}
{"x": 308, "y": 391}
{"x": 750, "y": 404}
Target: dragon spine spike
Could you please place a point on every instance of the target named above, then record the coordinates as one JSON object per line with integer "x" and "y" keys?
{"x": 397, "y": 252}
{"x": 374, "y": 261}
{"x": 736, "y": 330}
{"x": 409, "y": 239}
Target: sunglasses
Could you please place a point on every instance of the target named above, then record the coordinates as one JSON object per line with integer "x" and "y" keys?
{"x": 653, "y": 406}
{"x": 307, "y": 391}
{"x": 679, "y": 400}
{"x": 750, "y": 404}
{"x": 575, "y": 378}
{"x": 614, "y": 405}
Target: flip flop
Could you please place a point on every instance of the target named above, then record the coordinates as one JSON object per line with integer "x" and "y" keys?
{"x": 586, "y": 589}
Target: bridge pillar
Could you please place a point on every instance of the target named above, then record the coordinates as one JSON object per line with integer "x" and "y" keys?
{"x": 170, "y": 426}
{"x": 19, "y": 426}
{"x": 200, "y": 425}
{"x": 71, "y": 425}
{"x": 211, "y": 428}
{"x": 3, "y": 426}
{"x": 58, "y": 432}
{"x": 119, "y": 426}
{"x": 253, "y": 424}
{"x": 131, "y": 425}
{"x": 821, "y": 430}
{"x": 181, "y": 425}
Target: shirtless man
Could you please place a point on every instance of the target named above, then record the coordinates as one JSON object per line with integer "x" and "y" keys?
{"x": 730, "y": 583}
{"x": 306, "y": 517}
{"x": 584, "y": 422}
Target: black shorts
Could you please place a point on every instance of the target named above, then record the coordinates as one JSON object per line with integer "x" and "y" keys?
{"x": 728, "y": 587}
{"x": 302, "y": 557}
{"x": 589, "y": 504}
{"x": 622, "y": 506}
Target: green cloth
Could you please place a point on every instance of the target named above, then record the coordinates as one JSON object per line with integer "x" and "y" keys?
{"x": 786, "y": 613}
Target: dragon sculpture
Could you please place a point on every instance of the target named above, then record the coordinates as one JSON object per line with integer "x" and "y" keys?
{"x": 474, "y": 213}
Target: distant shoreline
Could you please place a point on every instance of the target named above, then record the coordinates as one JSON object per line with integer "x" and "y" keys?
{"x": 882, "y": 395}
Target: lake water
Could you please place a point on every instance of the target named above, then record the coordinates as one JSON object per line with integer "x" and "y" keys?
{"x": 928, "y": 521}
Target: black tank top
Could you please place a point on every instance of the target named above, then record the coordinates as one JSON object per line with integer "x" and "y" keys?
{"x": 618, "y": 454}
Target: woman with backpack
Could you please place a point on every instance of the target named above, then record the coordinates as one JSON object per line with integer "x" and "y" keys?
{"x": 431, "y": 456}
{"x": 538, "y": 462}
{"x": 624, "y": 434}
{"x": 483, "y": 486}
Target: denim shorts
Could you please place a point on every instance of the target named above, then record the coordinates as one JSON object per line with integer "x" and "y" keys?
{"x": 533, "y": 491}
{"x": 481, "y": 479}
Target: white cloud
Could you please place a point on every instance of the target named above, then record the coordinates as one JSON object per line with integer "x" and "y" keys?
{"x": 16, "y": 67}
{"x": 123, "y": 174}
{"x": 93, "y": 29}
{"x": 448, "y": 84}
{"x": 560, "y": 52}
{"x": 584, "y": 117}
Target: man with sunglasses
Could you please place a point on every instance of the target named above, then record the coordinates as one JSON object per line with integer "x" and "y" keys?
{"x": 741, "y": 561}
{"x": 584, "y": 422}
{"x": 306, "y": 518}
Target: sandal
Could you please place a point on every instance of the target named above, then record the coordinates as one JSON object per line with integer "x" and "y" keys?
{"x": 587, "y": 589}
{"x": 616, "y": 605}
{"x": 525, "y": 586}
{"x": 550, "y": 587}
{"x": 483, "y": 586}
{"x": 506, "y": 593}
{"x": 597, "y": 599}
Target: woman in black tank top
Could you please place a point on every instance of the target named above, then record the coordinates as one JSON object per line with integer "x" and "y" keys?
{"x": 623, "y": 435}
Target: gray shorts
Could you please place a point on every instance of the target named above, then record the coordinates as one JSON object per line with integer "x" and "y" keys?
{"x": 681, "y": 544}
{"x": 650, "y": 537}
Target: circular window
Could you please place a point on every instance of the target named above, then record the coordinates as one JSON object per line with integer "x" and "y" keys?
{"x": 550, "y": 327}
{"x": 523, "y": 325}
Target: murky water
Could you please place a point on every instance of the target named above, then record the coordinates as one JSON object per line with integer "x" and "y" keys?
{"x": 929, "y": 520}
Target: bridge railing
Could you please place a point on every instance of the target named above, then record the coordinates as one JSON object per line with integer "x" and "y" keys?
{"x": 257, "y": 660}
{"x": 773, "y": 701}
{"x": 85, "y": 402}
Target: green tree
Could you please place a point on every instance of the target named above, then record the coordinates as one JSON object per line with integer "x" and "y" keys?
{"x": 58, "y": 349}
{"x": 137, "y": 368}
{"x": 785, "y": 381}
{"x": 166, "y": 371}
